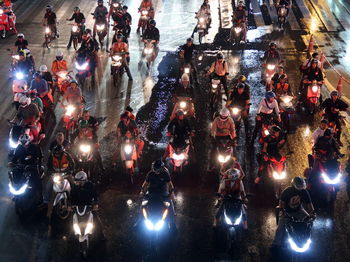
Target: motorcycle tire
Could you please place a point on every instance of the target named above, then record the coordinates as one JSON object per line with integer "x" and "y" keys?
{"x": 75, "y": 43}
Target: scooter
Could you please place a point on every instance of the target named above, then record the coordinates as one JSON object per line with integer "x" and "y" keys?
{"x": 117, "y": 67}
{"x": 215, "y": 95}
{"x": 128, "y": 155}
{"x": 202, "y": 27}
{"x": 149, "y": 53}
{"x": 282, "y": 16}
{"x": 313, "y": 97}
{"x": 62, "y": 188}
{"x": 287, "y": 110}
{"x": 186, "y": 105}
{"x": 236, "y": 33}
{"x": 84, "y": 69}
{"x": 178, "y": 153}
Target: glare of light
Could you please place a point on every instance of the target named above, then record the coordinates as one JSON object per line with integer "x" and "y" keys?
{"x": 19, "y": 191}
{"x": 178, "y": 157}
{"x": 223, "y": 159}
{"x": 330, "y": 181}
{"x": 13, "y": 144}
{"x": 129, "y": 202}
{"x": 69, "y": 110}
{"x": 183, "y": 104}
{"x": 76, "y": 229}
{"x": 297, "y": 249}
{"x": 279, "y": 176}
{"x": 307, "y": 131}
{"x": 235, "y": 111}
{"x": 313, "y": 25}
{"x": 128, "y": 149}
{"x": 85, "y": 148}
{"x": 266, "y": 132}
{"x": 314, "y": 88}
{"x": 88, "y": 229}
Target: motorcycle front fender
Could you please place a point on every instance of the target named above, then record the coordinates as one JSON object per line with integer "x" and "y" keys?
{"x": 59, "y": 197}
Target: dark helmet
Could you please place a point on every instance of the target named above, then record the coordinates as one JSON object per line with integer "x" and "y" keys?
{"x": 189, "y": 40}
{"x": 76, "y": 9}
{"x": 242, "y": 78}
{"x": 272, "y": 44}
{"x": 21, "y": 53}
{"x": 334, "y": 93}
{"x": 283, "y": 77}
{"x": 83, "y": 124}
{"x": 36, "y": 74}
{"x": 125, "y": 116}
{"x": 324, "y": 121}
{"x": 327, "y": 132}
{"x": 275, "y": 129}
{"x": 99, "y": 1}
{"x": 179, "y": 113}
{"x": 48, "y": 8}
{"x": 120, "y": 36}
{"x": 129, "y": 109}
{"x": 157, "y": 166}
{"x": 240, "y": 85}
{"x": 298, "y": 183}
{"x": 219, "y": 56}
{"x": 58, "y": 151}
{"x": 152, "y": 22}
{"x": 88, "y": 31}
{"x": 269, "y": 94}
{"x": 125, "y": 7}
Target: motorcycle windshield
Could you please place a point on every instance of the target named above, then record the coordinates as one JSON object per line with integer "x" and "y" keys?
{"x": 299, "y": 231}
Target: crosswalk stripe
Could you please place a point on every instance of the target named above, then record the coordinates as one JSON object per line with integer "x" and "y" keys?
{"x": 259, "y": 21}
{"x": 327, "y": 17}
{"x": 304, "y": 10}
{"x": 226, "y": 12}
{"x": 293, "y": 21}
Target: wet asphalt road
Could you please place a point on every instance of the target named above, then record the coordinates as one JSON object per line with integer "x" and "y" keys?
{"x": 195, "y": 189}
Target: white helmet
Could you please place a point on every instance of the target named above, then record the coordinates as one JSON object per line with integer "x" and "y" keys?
{"x": 81, "y": 176}
{"x": 20, "y": 35}
{"x": 59, "y": 53}
{"x": 224, "y": 113}
{"x": 24, "y": 101}
{"x": 233, "y": 174}
{"x": 43, "y": 68}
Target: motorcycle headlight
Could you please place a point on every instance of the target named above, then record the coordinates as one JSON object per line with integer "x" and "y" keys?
{"x": 15, "y": 57}
{"x": 223, "y": 159}
{"x": 1, "y": 11}
{"x": 148, "y": 50}
{"x": 70, "y": 110}
{"x": 47, "y": 30}
{"x": 81, "y": 67}
{"x": 19, "y": 191}
{"x": 116, "y": 58}
{"x": 62, "y": 75}
{"x": 183, "y": 104}
{"x": 235, "y": 111}
{"x": 115, "y": 4}
{"x": 214, "y": 87}
{"x": 76, "y": 229}
{"x": 159, "y": 225}
{"x": 179, "y": 157}
{"x": 57, "y": 179}
{"x": 88, "y": 229}
{"x": 201, "y": 20}
{"x": 85, "y": 148}
{"x": 144, "y": 13}
{"x": 286, "y": 99}
{"x": 149, "y": 224}
{"x": 279, "y": 176}
{"x": 100, "y": 27}
{"x": 128, "y": 149}
{"x": 74, "y": 28}
{"x": 227, "y": 219}
{"x": 238, "y": 30}
{"x": 295, "y": 247}
{"x": 266, "y": 132}
{"x": 314, "y": 88}
{"x": 330, "y": 181}
{"x": 187, "y": 70}
{"x": 238, "y": 220}
{"x": 271, "y": 67}
{"x": 19, "y": 75}
{"x": 13, "y": 144}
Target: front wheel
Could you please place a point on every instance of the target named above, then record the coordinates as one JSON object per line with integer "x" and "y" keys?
{"x": 75, "y": 43}
{"x": 200, "y": 37}
{"x": 3, "y": 33}
{"x": 61, "y": 209}
{"x": 84, "y": 248}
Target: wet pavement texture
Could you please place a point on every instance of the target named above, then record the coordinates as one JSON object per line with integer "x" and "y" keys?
{"x": 150, "y": 94}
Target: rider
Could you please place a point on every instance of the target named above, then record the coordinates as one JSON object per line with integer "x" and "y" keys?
{"x": 127, "y": 125}
{"x": 267, "y": 109}
{"x": 40, "y": 85}
{"x": 319, "y": 131}
{"x": 89, "y": 47}
{"x": 79, "y": 19}
{"x": 275, "y": 79}
{"x": 312, "y": 73}
{"x": 121, "y": 47}
{"x": 327, "y": 145}
{"x": 59, "y": 141}
{"x": 283, "y": 88}
{"x": 145, "y": 5}
{"x": 307, "y": 62}
{"x": 50, "y": 19}
{"x": 292, "y": 202}
{"x": 33, "y": 94}
{"x": 285, "y": 3}
{"x": 73, "y": 94}
{"x": 127, "y": 21}
{"x": 239, "y": 18}
{"x": 332, "y": 106}
{"x": 219, "y": 70}
{"x": 271, "y": 56}
{"x": 84, "y": 193}
{"x": 240, "y": 97}
{"x": 158, "y": 182}
{"x": 151, "y": 33}
{"x": 231, "y": 185}
{"x": 203, "y": 12}
{"x": 117, "y": 16}
{"x": 223, "y": 126}
{"x": 187, "y": 56}
{"x": 59, "y": 64}
{"x": 46, "y": 75}
{"x": 21, "y": 43}
{"x": 24, "y": 65}
{"x": 241, "y": 79}
{"x": 100, "y": 15}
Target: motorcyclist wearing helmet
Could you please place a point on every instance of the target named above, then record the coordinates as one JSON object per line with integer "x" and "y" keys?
{"x": 326, "y": 147}
{"x": 21, "y": 43}
{"x": 121, "y": 47}
{"x": 89, "y": 48}
{"x": 46, "y": 75}
{"x": 203, "y": 13}
{"x": 79, "y": 19}
{"x": 29, "y": 154}
{"x": 59, "y": 64}
{"x": 223, "y": 126}
{"x": 24, "y": 65}
{"x": 60, "y": 141}
{"x": 10, "y": 16}
{"x": 187, "y": 53}
{"x": 282, "y": 87}
{"x": 146, "y": 5}
{"x": 219, "y": 70}
{"x": 41, "y": 86}
{"x": 73, "y": 94}
{"x": 275, "y": 79}
{"x": 59, "y": 161}
{"x": 313, "y": 73}
{"x": 33, "y": 94}
{"x": 268, "y": 109}
{"x": 84, "y": 193}
{"x": 117, "y": 16}
{"x": 271, "y": 55}
{"x": 241, "y": 79}
{"x": 50, "y": 20}
{"x": 128, "y": 127}
{"x": 100, "y": 15}
{"x": 231, "y": 185}
{"x": 239, "y": 19}
{"x": 151, "y": 33}
{"x": 240, "y": 98}
{"x": 285, "y": 3}
{"x": 307, "y": 62}
{"x": 332, "y": 106}
{"x": 127, "y": 21}
{"x": 292, "y": 202}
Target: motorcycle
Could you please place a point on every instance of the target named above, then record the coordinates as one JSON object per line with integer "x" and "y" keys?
{"x": 101, "y": 28}
{"x": 236, "y": 33}
{"x": 216, "y": 95}
{"x": 236, "y": 115}
{"x": 49, "y": 36}
{"x": 270, "y": 70}
{"x": 84, "y": 69}
{"x": 19, "y": 86}
{"x": 22, "y": 188}
{"x": 117, "y": 66}
{"x": 313, "y": 97}
{"x": 231, "y": 221}
{"x": 5, "y": 25}
{"x": 85, "y": 157}
{"x": 202, "y": 27}
{"x": 128, "y": 155}
{"x": 145, "y": 17}
{"x": 282, "y": 16}
{"x": 62, "y": 81}
{"x": 62, "y": 188}
{"x": 224, "y": 150}
{"x": 186, "y": 76}
{"x": 76, "y": 34}
{"x": 186, "y": 105}
{"x": 70, "y": 119}
{"x": 83, "y": 227}
{"x": 117, "y": 5}
{"x": 287, "y": 110}
{"x": 149, "y": 52}
{"x": 298, "y": 233}
{"x": 178, "y": 153}
{"x": 267, "y": 123}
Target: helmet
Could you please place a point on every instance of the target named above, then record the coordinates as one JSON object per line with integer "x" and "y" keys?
{"x": 240, "y": 85}
{"x": 298, "y": 183}
{"x": 242, "y": 78}
{"x": 120, "y": 36}
{"x": 334, "y": 93}
{"x": 189, "y": 40}
{"x": 59, "y": 55}
{"x": 179, "y": 112}
{"x": 224, "y": 113}
{"x": 129, "y": 109}
{"x": 327, "y": 132}
{"x": 83, "y": 124}
{"x": 36, "y": 74}
{"x": 314, "y": 61}
{"x": 24, "y": 101}
{"x": 43, "y": 68}
{"x": 269, "y": 94}
{"x": 219, "y": 56}
{"x": 272, "y": 44}
{"x": 48, "y": 8}
{"x": 100, "y": 1}
{"x": 157, "y": 166}
{"x": 21, "y": 53}
{"x": 73, "y": 81}
{"x": 76, "y": 9}
{"x": 283, "y": 77}
{"x": 81, "y": 176}
{"x": 24, "y": 139}
{"x": 152, "y": 22}
{"x": 233, "y": 174}
{"x": 325, "y": 121}
{"x": 125, "y": 7}
{"x": 20, "y": 35}
{"x": 88, "y": 31}
{"x": 58, "y": 150}
{"x": 275, "y": 129}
